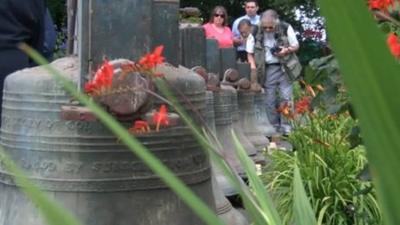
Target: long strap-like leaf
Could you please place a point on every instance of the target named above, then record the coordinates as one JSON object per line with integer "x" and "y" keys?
{"x": 372, "y": 77}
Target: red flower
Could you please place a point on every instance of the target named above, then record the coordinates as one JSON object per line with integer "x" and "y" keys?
{"x": 161, "y": 117}
{"x": 102, "y": 79}
{"x": 140, "y": 126}
{"x": 303, "y": 105}
{"x": 104, "y": 75}
{"x": 150, "y": 60}
{"x": 392, "y": 39}
{"x": 380, "y": 4}
{"x": 284, "y": 109}
{"x": 394, "y": 44}
{"x": 90, "y": 87}
{"x": 396, "y": 50}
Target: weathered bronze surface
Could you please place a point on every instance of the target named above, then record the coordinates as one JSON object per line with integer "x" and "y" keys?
{"x": 192, "y": 46}
{"x": 248, "y": 122}
{"x": 244, "y": 84}
{"x": 210, "y": 114}
{"x": 128, "y": 29}
{"x": 244, "y": 69}
{"x": 188, "y": 87}
{"x": 225, "y": 211}
{"x": 220, "y": 182}
{"x": 228, "y": 59}
{"x": 213, "y": 83}
{"x": 224, "y": 126}
{"x": 213, "y": 59}
{"x": 164, "y": 27}
{"x": 231, "y": 75}
{"x": 82, "y": 165}
{"x": 247, "y": 145}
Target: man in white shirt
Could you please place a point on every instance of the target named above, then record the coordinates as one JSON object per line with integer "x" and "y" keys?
{"x": 251, "y": 8}
{"x": 274, "y": 39}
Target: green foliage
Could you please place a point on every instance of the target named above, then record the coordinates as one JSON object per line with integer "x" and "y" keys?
{"x": 371, "y": 75}
{"x": 58, "y": 11}
{"x": 263, "y": 198}
{"x": 303, "y": 212}
{"x": 311, "y": 49}
{"x": 325, "y": 71}
{"x": 329, "y": 169}
{"x": 60, "y": 47}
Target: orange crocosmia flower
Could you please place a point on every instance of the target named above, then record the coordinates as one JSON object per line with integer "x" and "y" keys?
{"x": 141, "y": 126}
{"x": 396, "y": 50}
{"x": 303, "y": 105}
{"x": 392, "y": 39}
{"x": 394, "y": 45}
{"x": 102, "y": 79}
{"x": 380, "y": 4}
{"x": 104, "y": 75}
{"x": 150, "y": 60}
{"x": 161, "y": 117}
{"x": 90, "y": 87}
{"x": 284, "y": 110}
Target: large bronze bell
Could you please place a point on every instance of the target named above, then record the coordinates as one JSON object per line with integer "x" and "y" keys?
{"x": 225, "y": 210}
{"x": 222, "y": 182}
{"x": 209, "y": 116}
{"x": 247, "y": 145}
{"x": 224, "y": 126}
{"x": 84, "y": 167}
{"x": 248, "y": 122}
{"x": 261, "y": 115}
{"x": 221, "y": 186}
{"x": 188, "y": 87}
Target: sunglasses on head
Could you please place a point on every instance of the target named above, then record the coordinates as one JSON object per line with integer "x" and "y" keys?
{"x": 219, "y": 15}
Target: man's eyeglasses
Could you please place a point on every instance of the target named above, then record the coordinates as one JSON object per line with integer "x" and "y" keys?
{"x": 268, "y": 28}
{"x": 219, "y": 15}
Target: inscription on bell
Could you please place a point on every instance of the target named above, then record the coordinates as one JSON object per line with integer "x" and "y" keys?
{"x": 118, "y": 166}
{"x": 9, "y": 122}
{"x": 46, "y": 167}
{"x": 43, "y": 166}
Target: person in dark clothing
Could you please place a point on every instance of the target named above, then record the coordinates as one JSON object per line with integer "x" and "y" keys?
{"x": 50, "y": 37}
{"x": 20, "y": 21}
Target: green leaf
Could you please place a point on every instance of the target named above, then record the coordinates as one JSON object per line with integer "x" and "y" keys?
{"x": 264, "y": 199}
{"x": 303, "y": 212}
{"x": 385, "y": 27}
{"x": 372, "y": 77}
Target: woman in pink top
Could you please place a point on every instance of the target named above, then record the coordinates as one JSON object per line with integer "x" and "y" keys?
{"x": 217, "y": 28}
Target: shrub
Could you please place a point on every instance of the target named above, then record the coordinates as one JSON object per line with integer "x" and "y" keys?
{"x": 329, "y": 169}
